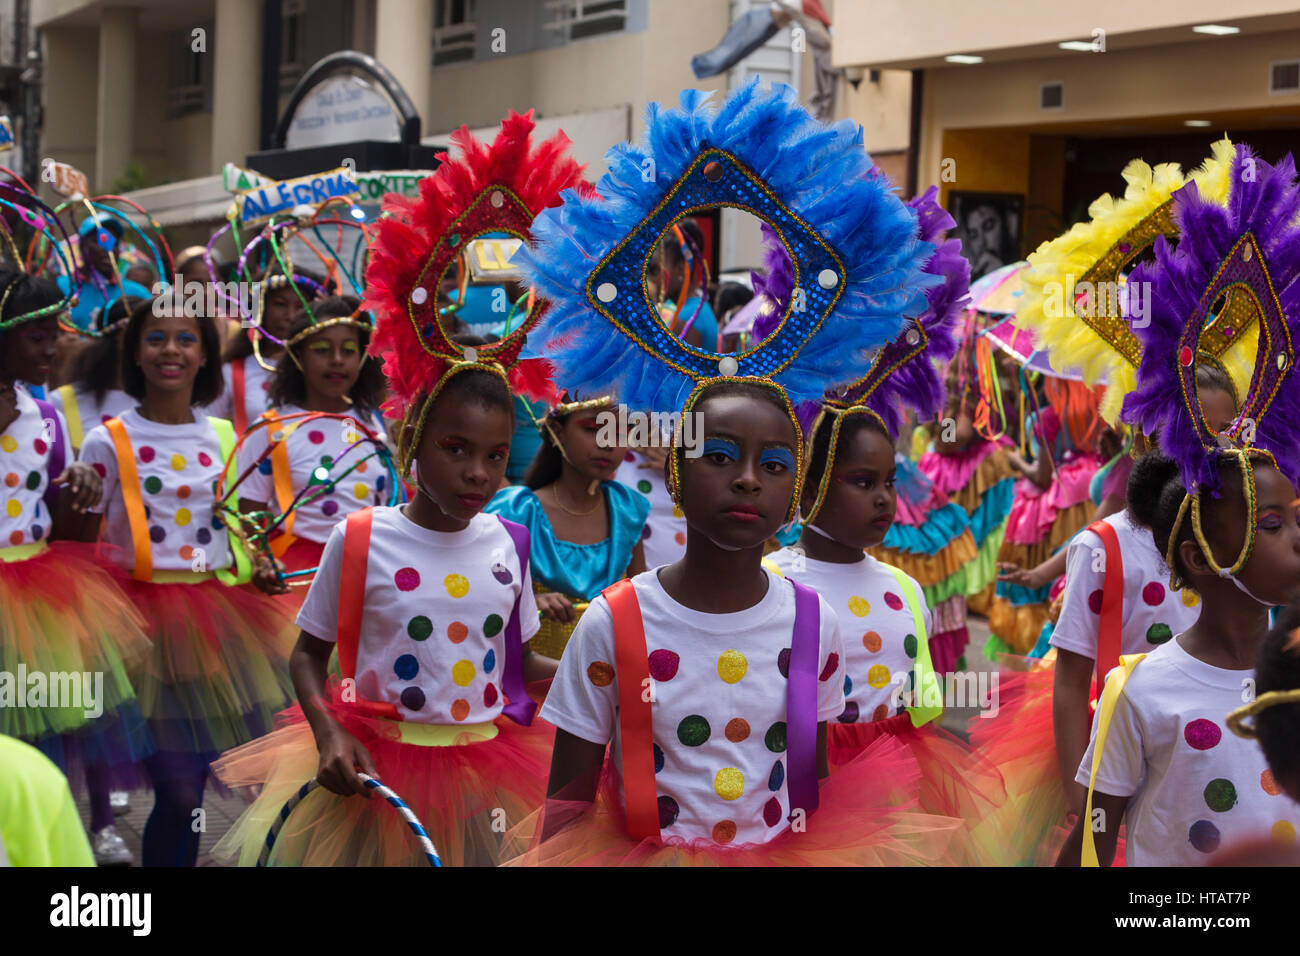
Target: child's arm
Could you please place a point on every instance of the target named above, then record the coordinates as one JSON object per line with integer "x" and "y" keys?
{"x": 1069, "y": 710}
{"x": 1107, "y": 812}
{"x": 637, "y": 564}
{"x": 340, "y": 752}
{"x": 81, "y": 490}
{"x": 538, "y": 666}
{"x": 575, "y": 771}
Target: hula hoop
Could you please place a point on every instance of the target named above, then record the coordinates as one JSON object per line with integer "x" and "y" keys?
{"x": 394, "y": 801}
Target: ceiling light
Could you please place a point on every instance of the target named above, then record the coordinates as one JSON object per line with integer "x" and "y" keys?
{"x": 963, "y": 58}
{"x": 1215, "y": 30}
{"x": 1082, "y": 46}
{"x": 1197, "y": 123}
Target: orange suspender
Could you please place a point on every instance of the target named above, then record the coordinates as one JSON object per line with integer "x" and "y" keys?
{"x": 129, "y": 480}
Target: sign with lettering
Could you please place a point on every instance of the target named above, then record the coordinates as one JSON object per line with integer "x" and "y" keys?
{"x": 300, "y": 196}
{"x": 371, "y": 187}
{"x": 342, "y": 109}
{"x": 66, "y": 180}
{"x": 6, "y": 135}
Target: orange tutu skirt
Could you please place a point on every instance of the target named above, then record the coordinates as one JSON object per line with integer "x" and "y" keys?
{"x": 466, "y": 792}
{"x": 868, "y": 816}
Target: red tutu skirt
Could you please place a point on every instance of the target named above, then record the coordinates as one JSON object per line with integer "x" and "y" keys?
{"x": 219, "y": 669}
{"x": 301, "y": 556}
{"x": 868, "y": 816}
{"x": 62, "y": 617}
{"x": 467, "y": 793}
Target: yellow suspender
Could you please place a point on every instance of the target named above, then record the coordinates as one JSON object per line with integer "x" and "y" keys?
{"x": 1105, "y": 711}
{"x": 72, "y": 415}
{"x": 925, "y": 684}
{"x": 243, "y": 572}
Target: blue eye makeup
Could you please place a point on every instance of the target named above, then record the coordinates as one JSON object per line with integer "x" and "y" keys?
{"x": 721, "y": 446}
{"x": 187, "y": 338}
{"x": 155, "y": 338}
{"x": 781, "y": 456}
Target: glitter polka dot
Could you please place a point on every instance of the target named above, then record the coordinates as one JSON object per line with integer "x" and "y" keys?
{"x": 157, "y": 534}
{"x": 407, "y": 579}
{"x": 8, "y": 443}
{"x": 1189, "y": 598}
{"x": 40, "y": 447}
{"x": 894, "y": 601}
{"x": 459, "y": 709}
{"x": 644, "y": 486}
{"x": 737, "y": 729}
{"x": 406, "y": 667}
{"x": 1269, "y": 784}
{"x": 15, "y": 538}
{"x": 724, "y": 831}
{"x": 33, "y": 480}
{"x": 361, "y": 491}
{"x": 1094, "y": 601}
{"x": 668, "y": 811}
{"x": 645, "y": 532}
{"x": 693, "y": 730}
{"x": 329, "y": 508}
{"x": 100, "y": 470}
{"x": 183, "y": 516}
{"x": 848, "y": 685}
{"x": 178, "y": 463}
{"x": 456, "y": 585}
{"x": 783, "y": 663}
{"x": 732, "y": 666}
{"x": 316, "y": 437}
{"x": 457, "y": 632}
{"x": 850, "y": 714}
{"x": 183, "y": 492}
{"x": 776, "y": 777}
{"x": 774, "y": 739}
{"x": 1204, "y": 836}
{"x": 153, "y": 484}
{"x": 489, "y": 661}
{"x": 1159, "y": 633}
{"x": 412, "y": 698}
{"x": 1153, "y": 593}
{"x": 205, "y": 459}
{"x": 12, "y": 479}
{"x": 1220, "y": 795}
{"x": 880, "y": 713}
{"x": 859, "y": 606}
{"x": 878, "y": 676}
{"x": 490, "y": 695}
{"x": 872, "y": 642}
{"x": 204, "y": 536}
{"x": 729, "y": 783}
{"x": 502, "y": 573}
{"x": 419, "y": 628}
{"x": 659, "y": 757}
{"x": 600, "y": 673}
{"x": 146, "y": 454}
{"x": 1202, "y": 734}
{"x": 1283, "y": 831}
{"x": 187, "y": 553}
{"x": 909, "y": 646}
{"x": 832, "y": 665}
{"x": 462, "y": 673}
{"x": 663, "y": 665}
{"x": 772, "y": 814}
{"x": 492, "y": 625}
{"x": 680, "y": 537}
{"x": 265, "y": 467}
{"x": 37, "y": 532}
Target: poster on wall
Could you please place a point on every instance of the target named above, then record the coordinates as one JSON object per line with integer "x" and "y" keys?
{"x": 988, "y": 225}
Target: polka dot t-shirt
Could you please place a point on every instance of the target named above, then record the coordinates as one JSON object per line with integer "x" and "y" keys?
{"x": 1194, "y": 785}
{"x": 436, "y": 608}
{"x": 1152, "y": 613}
{"x": 315, "y": 444}
{"x": 876, "y": 625}
{"x": 719, "y": 709}
{"x": 664, "y": 534}
{"x": 25, "y": 448}
{"x": 178, "y": 466}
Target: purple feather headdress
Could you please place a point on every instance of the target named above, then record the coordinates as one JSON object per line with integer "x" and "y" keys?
{"x": 1253, "y": 243}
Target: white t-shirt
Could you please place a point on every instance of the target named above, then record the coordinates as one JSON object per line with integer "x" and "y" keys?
{"x": 664, "y": 534}
{"x": 875, "y": 623}
{"x": 719, "y": 710}
{"x": 1193, "y": 784}
{"x": 437, "y": 604}
{"x": 178, "y": 467}
{"x": 1152, "y": 612}
{"x": 25, "y": 449}
{"x": 321, "y": 442}
{"x": 92, "y": 412}
{"x": 257, "y": 385}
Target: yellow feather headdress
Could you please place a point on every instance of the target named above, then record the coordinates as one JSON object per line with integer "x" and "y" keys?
{"x": 1072, "y": 288}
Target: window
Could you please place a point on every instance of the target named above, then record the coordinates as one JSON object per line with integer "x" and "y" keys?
{"x": 453, "y": 31}
{"x": 189, "y": 80}
{"x": 575, "y": 19}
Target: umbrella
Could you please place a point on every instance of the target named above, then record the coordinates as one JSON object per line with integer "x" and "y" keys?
{"x": 999, "y": 291}
{"x": 1019, "y": 344}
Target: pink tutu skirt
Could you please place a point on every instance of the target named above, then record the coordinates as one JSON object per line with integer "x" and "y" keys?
{"x": 466, "y": 793}
{"x": 869, "y": 816}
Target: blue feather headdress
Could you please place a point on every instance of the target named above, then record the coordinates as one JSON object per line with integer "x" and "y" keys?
{"x": 859, "y": 263}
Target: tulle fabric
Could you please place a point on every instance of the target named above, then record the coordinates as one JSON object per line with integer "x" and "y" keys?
{"x": 60, "y": 612}
{"x": 869, "y": 816}
{"x": 218, "y": 672}
{"x": 465, "y": 794}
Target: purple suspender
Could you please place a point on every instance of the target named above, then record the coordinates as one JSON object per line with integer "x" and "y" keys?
{"x": 56, "y": 463}
{"x": 521, "y": 707}
{"x": 801, "y": 700}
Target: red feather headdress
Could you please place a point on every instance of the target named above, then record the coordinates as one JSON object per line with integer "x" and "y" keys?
{"x": 496, "y": 187}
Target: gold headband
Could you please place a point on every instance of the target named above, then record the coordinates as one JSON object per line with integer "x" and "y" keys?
{"x": 406, "y": 449}
{"x": 1237, "y": 719}
{"x": 330, "y": 323}
{"x": 840, "y": 412}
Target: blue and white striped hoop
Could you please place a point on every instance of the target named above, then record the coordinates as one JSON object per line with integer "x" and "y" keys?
{"x": 396, "y": 802}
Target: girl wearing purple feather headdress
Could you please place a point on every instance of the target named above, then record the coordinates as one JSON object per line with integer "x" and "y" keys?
{"x": 1158, "y": 758}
